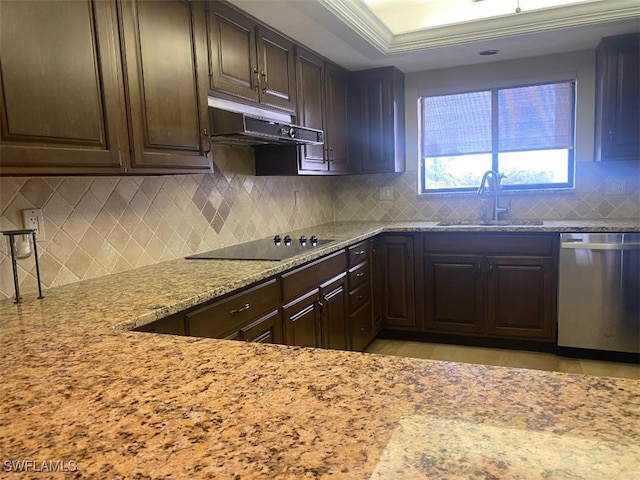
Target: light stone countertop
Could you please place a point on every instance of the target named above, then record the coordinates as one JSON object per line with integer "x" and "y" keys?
{"x": 76, "y": 387}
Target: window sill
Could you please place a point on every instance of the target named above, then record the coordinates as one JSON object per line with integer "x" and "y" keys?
{"x": 503, "y": 193}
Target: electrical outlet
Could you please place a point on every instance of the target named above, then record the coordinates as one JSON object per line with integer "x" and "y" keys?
{"x": 616, "y": 187}
{"x": 32, "y": 219}
{"x": 386, "y": 194}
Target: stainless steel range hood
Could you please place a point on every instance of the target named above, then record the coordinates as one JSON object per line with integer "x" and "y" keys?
{"x": 236, "y": 124}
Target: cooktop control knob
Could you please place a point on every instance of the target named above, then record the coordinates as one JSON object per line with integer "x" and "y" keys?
{"x": 277, "y": 240}
{"x": 314, "y": 241}
{"x": 303, "y": 240}
{"x": 287, "y": 240}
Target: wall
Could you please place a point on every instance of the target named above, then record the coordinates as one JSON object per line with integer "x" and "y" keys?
{"x": 95, "y": 226}
{"x": 357, "y": 198}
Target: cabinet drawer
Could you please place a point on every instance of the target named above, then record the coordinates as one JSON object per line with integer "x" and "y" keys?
{"x": 493, "y": 244}
{"x": 310, "y": 276}
{"x": 220, "y": 318}
{"x": 361, "y": 324}
{"x": 359, "y": 296}
{"x": 359, "y": 274}
{"x": 359, "y": 253}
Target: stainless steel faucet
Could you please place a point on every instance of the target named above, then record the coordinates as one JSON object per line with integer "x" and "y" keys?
{"x": 497, "y": 209}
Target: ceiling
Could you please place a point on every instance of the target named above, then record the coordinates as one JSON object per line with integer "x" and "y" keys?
{"x": 416, "y": 35}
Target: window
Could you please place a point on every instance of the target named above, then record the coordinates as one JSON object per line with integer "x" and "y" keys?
{"x": 525, "y": 133}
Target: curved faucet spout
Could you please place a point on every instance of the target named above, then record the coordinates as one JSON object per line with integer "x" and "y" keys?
{"x": 487, "y": 174}
{"x": 497, "y": 209}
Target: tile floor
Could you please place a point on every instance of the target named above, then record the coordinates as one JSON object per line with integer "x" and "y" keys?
{"x": 507, "y": 358}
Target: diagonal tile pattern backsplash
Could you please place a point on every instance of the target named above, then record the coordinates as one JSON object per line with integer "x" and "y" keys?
{"x": 95, "y": 226}
{"x": 358, "y": 198}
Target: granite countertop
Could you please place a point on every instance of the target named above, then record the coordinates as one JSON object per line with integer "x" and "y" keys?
{"x": 108, "y": 403}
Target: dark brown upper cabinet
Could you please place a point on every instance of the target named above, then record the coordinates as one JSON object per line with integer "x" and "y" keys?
{"x": 336, "y": 134}
{"x": 322, "y": 104}
{"x": 310, "y": 71}
{"x": 71, "y": 105}
{"x": 376, "y": 115}
{"x": 61, "y": 89}
{"x": 164, "y": 46}
{"x": 617, "y": 135}
{"x": 248, "y": 61}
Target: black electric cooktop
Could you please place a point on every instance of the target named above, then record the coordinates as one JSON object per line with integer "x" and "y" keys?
{"x": 273, "y": 248}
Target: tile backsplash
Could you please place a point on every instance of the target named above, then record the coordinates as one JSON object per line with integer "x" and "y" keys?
{"x": 358, "y": 198}
{"x": 95, "y": 226}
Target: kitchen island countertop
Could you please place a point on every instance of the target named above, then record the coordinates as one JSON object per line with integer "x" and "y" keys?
{"x": 77, "y": 388}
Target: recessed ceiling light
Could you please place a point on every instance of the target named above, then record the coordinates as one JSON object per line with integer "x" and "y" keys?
{"x": 488, "y": 52}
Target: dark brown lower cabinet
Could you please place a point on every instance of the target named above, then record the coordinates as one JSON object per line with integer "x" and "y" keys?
{"x": 333, "y": 311}
{"x": 171, "y": 325}
{"x": 395, "y": 256}
{"x": 491, "y": 285}
{"x": 301, "y": 324}
{"x": 315, "y": 310}
{"x": 251, "y": 315}
{"x": 266, "y": 329}
{"x": 454, "y": 293}
{"x": 521, "y": 300}
{"x": 361, "y": 327}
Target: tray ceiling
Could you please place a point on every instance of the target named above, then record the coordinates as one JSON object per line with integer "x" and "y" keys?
{"x": 419, "y": 35}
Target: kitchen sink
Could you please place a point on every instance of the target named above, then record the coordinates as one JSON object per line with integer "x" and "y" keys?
{"x": 447, "y": 223}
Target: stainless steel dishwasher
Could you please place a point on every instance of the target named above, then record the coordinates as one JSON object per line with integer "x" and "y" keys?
{"x": 599, "y": 291}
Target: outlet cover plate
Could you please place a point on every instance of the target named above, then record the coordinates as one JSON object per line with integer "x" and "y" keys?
{"x": 386, "y": 194}
{"x": 616, "y": 187}
{"x": 32, "y": 219}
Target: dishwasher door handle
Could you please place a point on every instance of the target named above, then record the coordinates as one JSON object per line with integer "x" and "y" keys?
{"x": 600, "y": 246}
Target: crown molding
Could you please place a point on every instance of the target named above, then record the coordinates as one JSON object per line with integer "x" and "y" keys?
{"x": 359, "y": 18}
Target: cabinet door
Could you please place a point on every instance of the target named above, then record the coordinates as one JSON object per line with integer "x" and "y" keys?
{"x": 454, "y": 293}
{"x": 333, "y": 297}
{"x": 277, "y": 70}
{"x": 266, "y": 329}
{"x": 521, "y": 297}
{"x": 310, "y": 72}
{"x": 61, "y": 91}
{"x": 377, "y": 110}
{"x": 618, "y": 102}
{"x": 233, "y": 56}
{"x": 165, "y": 50}
{"x": 336, "y": 81}
{"x": 301, "y": 321}
{"x": 398, "y": 282}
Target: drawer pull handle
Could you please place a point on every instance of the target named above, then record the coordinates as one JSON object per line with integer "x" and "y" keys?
{"x": 360, "y": 252}
{"x": 359, "y": 297}
{"x": 359, "y": 275}
{"x": 246, "y": 307}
